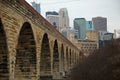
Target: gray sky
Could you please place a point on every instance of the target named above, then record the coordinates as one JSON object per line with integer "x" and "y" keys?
{"x": 87, "y": 9}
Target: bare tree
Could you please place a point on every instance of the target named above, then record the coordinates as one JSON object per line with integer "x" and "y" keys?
{"x": 103, "y": 64}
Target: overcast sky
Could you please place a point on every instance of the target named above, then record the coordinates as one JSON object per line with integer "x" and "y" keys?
{"x": 85, "y": 9}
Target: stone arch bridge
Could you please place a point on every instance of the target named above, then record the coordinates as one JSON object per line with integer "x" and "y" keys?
{"x": 30, "y": 47}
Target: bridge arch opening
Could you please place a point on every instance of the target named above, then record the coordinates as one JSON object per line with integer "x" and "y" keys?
{"x": 62, "y": 58}
{"x": 45, "y": 58}
{"x": 4, "y": 71}
{"x": 55, "y": 57}
{"x": 25, "y": 67}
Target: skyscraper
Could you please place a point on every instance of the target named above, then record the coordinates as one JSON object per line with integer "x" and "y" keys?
{"x": 80, "y": 28}
{"x": 53, "y": 18}
{"x": 89, "y": 25}
{"x": 64, "y": 19}
{"x": 100, "y": 23}
{"x": 36, "y": 6}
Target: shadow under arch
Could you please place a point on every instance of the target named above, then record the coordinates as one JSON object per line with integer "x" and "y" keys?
{"x": 45, "y": 58}
{"x": 25, "y": 67}
{"x": 4, "y": 69}
{"x": 67, "y": 57}
{"x": 62, "y": 58}
{"x": 70, "y": 58}
{"x": 55, "y": 57}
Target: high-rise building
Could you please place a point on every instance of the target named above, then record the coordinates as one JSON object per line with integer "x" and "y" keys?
{"x": 80, "y": 28}
{"x": 53, "y": 18}
{"x": 100, "y": 23}
{"x": 36, "y": 6}
{"x": 66, "y": 32}
{"x": 64, "y": 19}
{"x": 89, "y": 25}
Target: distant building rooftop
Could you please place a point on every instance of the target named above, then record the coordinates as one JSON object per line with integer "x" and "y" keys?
{"x": 51, "y": 13}
{"x": 79, "y": 18}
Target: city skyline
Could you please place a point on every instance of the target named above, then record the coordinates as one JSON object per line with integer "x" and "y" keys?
{"x": 86, "y": 9}
{"x": 33, "y": 49}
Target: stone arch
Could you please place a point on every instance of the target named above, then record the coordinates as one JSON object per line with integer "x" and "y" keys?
{"x": 62, "y": 58}
{"x": 45, "y": 57}
{"x": 4, "y": 69}
{"x": 25, "y": 67}
{"x": 55, "y": 57}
